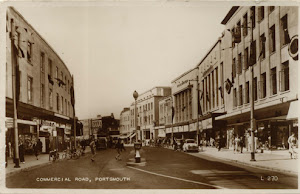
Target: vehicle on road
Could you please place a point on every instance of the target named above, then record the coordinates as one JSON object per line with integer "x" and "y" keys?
{"x": 190, "y": 145}
{"x": 101, "y": 143}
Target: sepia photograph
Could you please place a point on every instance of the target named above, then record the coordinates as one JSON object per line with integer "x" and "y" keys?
{"x": 143, "y": 95}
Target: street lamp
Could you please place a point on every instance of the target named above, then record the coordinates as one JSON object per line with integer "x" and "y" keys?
{"x": 137, "y": 144}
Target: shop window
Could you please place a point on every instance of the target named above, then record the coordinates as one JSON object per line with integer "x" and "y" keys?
{"x": 273, "y": 81}
{"x": 245, "y": 25}
{"x": 263, "y": 85}
{"x": 272, "y": 39}
{"x": 284, "y": 77}
{"x": 284, "y": 36}
{"x": 252, "y": 17}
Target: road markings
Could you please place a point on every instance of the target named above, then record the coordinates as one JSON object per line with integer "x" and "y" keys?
{"x": 117, "y": 169}
{"x": 176, "y": 178}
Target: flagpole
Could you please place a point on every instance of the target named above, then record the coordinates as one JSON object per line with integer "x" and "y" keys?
{"x": 15, "y": 119}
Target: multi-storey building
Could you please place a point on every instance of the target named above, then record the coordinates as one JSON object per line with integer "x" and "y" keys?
{"x": 43, "y": 85}
{"x": 210, "y": 71}
{"x": 275, "y": 71}
{"x": 184, "y": 93}
{"x": 125, "y": 122}
{"x": 165, "y": 116}
{"x": 147, "y": 110}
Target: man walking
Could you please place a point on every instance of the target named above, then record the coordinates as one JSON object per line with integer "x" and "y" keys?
{"x": 119, "y": 149}
{"x": 93, "y": 147}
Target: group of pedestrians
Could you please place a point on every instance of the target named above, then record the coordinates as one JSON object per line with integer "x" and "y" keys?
{"x": 37, "y": 149}
{"x": 119, "y": 147}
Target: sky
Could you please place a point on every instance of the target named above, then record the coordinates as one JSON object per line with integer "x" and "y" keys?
{"x": 113, "y": 50}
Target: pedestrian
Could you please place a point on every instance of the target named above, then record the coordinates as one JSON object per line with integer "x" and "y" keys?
{"x": 175, "y": 144}
{"x": 122, "y": 146}
{"x": 242, "y": 143}
{"x": 37, "y": 147}
{"x": 236, "y": 143}
{"x": 22, "y": 152}
{"x": 93, "y": 148}
{"x": 119, "y": 149}
{"x": 292, "y": 146}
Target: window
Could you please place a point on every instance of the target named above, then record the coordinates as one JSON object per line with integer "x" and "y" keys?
{"x": 252, "y": 17}
{"x": 246, "y": 58}
{"x": 272, "y": 39}
{"x": 29, "y": 89}
{"x": 50, "y": 98}
{"x": 273, "y": 81}
{"x": 62, "y": 105}
{"x": 239, "y": 66}
{"x": 42, "y": 62}
{"x": 66, "y": 106}
{"x": 217, "y": 88}
{"x": 284, "y": 77}
{"x": 209, "y": 94}
{"x": 50, "y": 67}
{"x": 151, "y": 105}
{"x": 57, "y": 102}
{"x": 284, "y": 35}
{"x": 213, "y": 89}
{"x": 271, "y": 8}
{"x": 68, "y": 87}
{"x": 203, "y": 94}
{"x": 233, "y": 31}
{"x": 245, "y": 25}
{"x": 233, "y": 68}
{"x": 222, "y": 82}
{"x": 56, "y": 72}
{"x": 253, "y": 53}
{"x": 234, "y": 98}
{"x": 263, "y": 85}
{"x": 247, "y": 99}
{"x": 261, "y": 13}
{"x": 62, "y": 76}
{"x": 29, "y": 51}
{"x": 255, "y": 88}
{"x": 262, "y": 46}
{"x": 65, "y": 83}
{"x": 240, "y": 95}
{"x": 42, "y": 95}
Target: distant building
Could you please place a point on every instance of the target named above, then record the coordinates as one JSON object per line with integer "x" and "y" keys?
{"x": 125, "y": 122}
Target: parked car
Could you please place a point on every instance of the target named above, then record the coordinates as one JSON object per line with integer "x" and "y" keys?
{"x": 190, "y": 145}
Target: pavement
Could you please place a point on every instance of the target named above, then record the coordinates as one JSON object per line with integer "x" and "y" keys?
{"x": 277, "y": 160}
{"x": 31, "y": 163}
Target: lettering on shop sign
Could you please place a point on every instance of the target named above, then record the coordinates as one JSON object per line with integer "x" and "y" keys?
{"x": 96, "y": 123}
{"x": 182, "y": 83}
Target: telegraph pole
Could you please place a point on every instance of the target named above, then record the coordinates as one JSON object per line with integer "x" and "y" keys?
{"x": 197, "y": 125}
{"x": 14, "y": 96}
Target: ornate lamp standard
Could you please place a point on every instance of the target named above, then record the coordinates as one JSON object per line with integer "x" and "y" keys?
{"x": 137, "y": 144}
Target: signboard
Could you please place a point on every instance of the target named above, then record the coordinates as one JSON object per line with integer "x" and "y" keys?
{"x": 192, "y": 127}
{"x": 180, "y": 128}
{"x": 185, "y": 128}
{"x": 175, "y": 129}
{"x": 54, "y": 133}
{"x": 97, "y": 123}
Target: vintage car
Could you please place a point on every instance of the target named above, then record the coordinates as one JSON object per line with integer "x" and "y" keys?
{"x": 190, "y": 145}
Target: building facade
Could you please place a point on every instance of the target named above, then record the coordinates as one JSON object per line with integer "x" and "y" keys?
{"x": 43, "y": 86}
{"x": 275, "y": 73}
{"x": 125, "y": 122}
{"x": 148, "y": 111}
{"x": 165, "y": 116}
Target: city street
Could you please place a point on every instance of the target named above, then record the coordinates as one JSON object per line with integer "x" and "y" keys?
{"x": 165, "y": 169}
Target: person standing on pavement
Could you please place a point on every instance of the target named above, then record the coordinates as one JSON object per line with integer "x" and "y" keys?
{"x": 236, "y": 143}
{"x": 37, "y": 147}
{"x": 175, "y": 144}
{"x": 242, "y": 143}
{"x": 119, "y": 149}
{"x": 93, "y": 148}
{"x": 22, "y": 152}
{"x": 292, "y": 146}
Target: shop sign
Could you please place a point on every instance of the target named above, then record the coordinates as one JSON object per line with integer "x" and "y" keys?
{"x": 185, "y": 128}
{"x": 48, "y": 123}
{"x": 168, "y": 130}
{"x": 9, "y": 124}
{"x": 67, "y": 131}
{"x": 180, "y": 128}
{"x": 97, "y": 123}
{"x": 54, "y": 133}
{"x": 192, "y": 127}
{"x": 175, "y": 129}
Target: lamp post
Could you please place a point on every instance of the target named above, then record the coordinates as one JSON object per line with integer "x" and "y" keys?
{"x": 137, "y": 144}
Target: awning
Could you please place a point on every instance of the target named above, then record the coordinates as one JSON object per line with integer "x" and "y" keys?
{"x": 132, "y": 135}
{"x": 293, "y": 111}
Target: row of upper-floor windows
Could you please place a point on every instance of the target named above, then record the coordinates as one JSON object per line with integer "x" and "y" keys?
{"x": 282, "y": 79}
{"x": 63, "y": 105}
{"x": 249, "y": 56}
{"x": 143, "y": 120}
{"x": 145, "y": 107}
